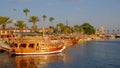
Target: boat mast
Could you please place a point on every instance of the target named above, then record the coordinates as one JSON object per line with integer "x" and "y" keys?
{"x": 14, "y": 21}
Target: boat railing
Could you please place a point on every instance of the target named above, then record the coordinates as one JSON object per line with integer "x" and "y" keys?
{"x": 44, "y": 40}
{"x": 26, "y": 40}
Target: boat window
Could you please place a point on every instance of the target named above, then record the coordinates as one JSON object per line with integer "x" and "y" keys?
{"x": 31, "y": 45}
{"x": 22, "y": 45}
{"x": 37, "y": 44}
{"x": 15, "y": 45}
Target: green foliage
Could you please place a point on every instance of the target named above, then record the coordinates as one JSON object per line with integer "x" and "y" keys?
{"x": 59, "y": 28}
{"x": 4, "y": 21}
{"x": 34, "y": 20}
{"x": 51, "y": 19}
{"x": 67, "y": 30}
{"x": 26, "y": 11}
{"x": 78, "y": 29}
{"x": 44, "y": 17}
{"x": 88, "y": 29}
{"x": 51, "y": 30}
{"x": 20, "y": 24}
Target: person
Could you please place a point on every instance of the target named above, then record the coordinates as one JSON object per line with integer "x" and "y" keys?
{"x": 11, "y": 37}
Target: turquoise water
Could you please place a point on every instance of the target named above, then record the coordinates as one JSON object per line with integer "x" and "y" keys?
{"x": 95, "y": 54}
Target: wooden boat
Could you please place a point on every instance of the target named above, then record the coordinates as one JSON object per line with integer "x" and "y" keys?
{"x": 35, "y": 46}
{"x": 69, "y": 40}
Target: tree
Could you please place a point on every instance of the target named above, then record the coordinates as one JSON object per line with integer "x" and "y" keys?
{"x": 20, "y": 24}
{"x": 4, "y": 21}
{"x": 51, "y": 29}
{"x": 88, "y": 29}
{"x": 78, "y": 29}
{"x": 51, "y": 19}
{"x": 26, "y": 11}
{"x": 59, "y": 27}
{"x": 44, "y": 18}
{"x": 67, "y": 30}
{"x": 34, "y": 20}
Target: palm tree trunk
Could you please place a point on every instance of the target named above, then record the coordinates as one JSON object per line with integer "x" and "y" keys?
{"x": 43, "y": 27}
{"x": 34, "y": 26}
{"x": 3, "y": 26}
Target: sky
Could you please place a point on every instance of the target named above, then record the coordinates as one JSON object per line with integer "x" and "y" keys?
{"x": 98, "y": 13}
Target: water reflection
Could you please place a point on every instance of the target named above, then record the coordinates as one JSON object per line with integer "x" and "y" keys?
{"x": 94, "y": 54}
{"x": 39, "y": 61}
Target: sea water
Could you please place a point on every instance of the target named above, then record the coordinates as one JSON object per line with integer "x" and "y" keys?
{"x": 92, "y": 54}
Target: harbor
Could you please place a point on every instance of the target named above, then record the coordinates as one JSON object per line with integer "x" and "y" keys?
{"x": 94, "y": 54}
{"x": 60, "y": 34}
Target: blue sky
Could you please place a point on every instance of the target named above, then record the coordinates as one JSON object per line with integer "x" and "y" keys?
{"x": 97, "y": 12}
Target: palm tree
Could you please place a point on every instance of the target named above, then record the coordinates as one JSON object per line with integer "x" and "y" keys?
{"x": 78, "y": 29}
{"x": 67, "y": 30}
{"x": 51, "y": 19}
{"x": 60, "y": 27}
{"x": 1, "y": 19}
{"x": 34, "y": 20}
{"x": 4, "y": 21}
{"x": 44, "y": 18}
{"x": 26, "y": 11}
{"x": 88, "y": 29}
{"x": 20, "y": 24}
{"x": 51, "y": 29}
